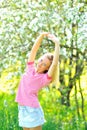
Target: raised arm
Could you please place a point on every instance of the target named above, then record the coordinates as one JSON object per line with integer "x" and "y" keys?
{"x": 36, "y": 46}
{"x": 56, "y": 55}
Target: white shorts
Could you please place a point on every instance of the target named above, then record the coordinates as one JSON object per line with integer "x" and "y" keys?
{"x": 30, "y": 117}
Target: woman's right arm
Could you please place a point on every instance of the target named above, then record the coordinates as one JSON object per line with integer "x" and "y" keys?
{"x": 56, "y": 55}
{"x": 36, "y": 46}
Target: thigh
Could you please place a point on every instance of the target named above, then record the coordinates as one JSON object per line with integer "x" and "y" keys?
{"x": 26, "y": 128}
{"x": 36, "y": 128}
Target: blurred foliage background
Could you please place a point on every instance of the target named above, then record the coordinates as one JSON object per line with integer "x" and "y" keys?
{"x": 21, "y": 21}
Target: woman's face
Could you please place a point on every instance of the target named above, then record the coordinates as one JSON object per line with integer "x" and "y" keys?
{"x": 43, "y": 64}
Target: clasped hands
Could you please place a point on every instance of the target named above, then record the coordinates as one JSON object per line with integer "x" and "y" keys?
{"x": 50, "y": 36}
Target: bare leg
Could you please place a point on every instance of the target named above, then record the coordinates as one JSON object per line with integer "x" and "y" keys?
{"x": 26, "y": 128}
{"x": 36, "y": 128}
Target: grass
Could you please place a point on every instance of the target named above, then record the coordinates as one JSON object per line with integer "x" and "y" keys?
{"x": 58, "y": 117}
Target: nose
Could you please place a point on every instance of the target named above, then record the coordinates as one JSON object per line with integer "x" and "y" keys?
{"x": 39, "y": 64}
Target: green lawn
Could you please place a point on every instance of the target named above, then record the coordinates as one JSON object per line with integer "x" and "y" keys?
{"x": 58, "y": 117}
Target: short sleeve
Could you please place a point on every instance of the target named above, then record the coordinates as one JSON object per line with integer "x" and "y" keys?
{"x": 30, "y": 67}
{"x": 46, "y": 79}
{"x": 30, "y": 63}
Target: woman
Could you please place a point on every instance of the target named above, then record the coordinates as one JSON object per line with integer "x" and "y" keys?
{"x": 31, "y": 116}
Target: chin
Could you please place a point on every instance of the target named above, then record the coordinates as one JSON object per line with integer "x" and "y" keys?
{"x": 40, "y": 72}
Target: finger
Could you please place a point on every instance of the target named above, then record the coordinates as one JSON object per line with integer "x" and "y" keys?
{"x": 51, "y": 35}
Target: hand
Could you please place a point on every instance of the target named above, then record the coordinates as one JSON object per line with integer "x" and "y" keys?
{"x": 45, "y": 34}
{"x": 53, "y": 38}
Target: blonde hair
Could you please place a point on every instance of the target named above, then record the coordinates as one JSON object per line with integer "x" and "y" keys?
{"x": 55, "y": 77}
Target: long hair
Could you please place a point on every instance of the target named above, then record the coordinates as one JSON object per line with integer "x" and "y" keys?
{"x": 55, "y": 77}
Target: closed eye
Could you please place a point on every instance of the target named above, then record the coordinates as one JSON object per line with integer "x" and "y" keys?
{"x": 40, "y": 60}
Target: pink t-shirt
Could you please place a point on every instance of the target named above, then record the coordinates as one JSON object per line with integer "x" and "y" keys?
{"x": 31, "y": 82}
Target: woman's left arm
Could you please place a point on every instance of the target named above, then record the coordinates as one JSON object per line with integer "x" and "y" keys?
{"x": 56, "y": 55}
